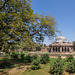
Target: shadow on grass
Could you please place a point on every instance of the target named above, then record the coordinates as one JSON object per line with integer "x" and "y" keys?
{"x": 8, "y": 64}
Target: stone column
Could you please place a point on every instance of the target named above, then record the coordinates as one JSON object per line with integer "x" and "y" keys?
{"x": 63, "y": 49}
{"x": 54, "y": 49}
{"x": 66, "y": 49}
{"x": 69, "y": 49}
{"x": 60, "y": 49}
{"x": 51, "y": 49}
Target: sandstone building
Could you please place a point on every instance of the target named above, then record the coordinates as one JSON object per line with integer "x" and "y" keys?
{"x": 61, "y": 44}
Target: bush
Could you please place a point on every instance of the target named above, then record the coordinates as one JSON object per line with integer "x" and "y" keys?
{"x": 58, "y": 59}
{"x": 38, "y": 48}
{"x": 28, "y": 58}
{"x": 44, "y": 59}
{"x": 69, "y": 58}
{"x": 14, "y": 55}
{"x": 5, "y": 64}
{"x": 35, "y": 56}
{"x": 22, "y": 56}
{"x": 56, "y": 68}
{"x": 35, "y": 64}
{"x": 71, "y": 67}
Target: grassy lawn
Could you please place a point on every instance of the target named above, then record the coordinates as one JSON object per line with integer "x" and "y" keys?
{"x": 43, "y": 71}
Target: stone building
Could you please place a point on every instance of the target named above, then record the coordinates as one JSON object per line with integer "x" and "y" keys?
{"x": 61, "y": 44}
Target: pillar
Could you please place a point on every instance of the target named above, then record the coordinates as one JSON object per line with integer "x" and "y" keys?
{"x": 60, "y": 49}
{"x": 51, "y": 49}
{"x": 69, "y": 49}
{"x": 54, "y": 49}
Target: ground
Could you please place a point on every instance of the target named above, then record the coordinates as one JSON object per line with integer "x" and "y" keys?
{"x": 25, "y": 69}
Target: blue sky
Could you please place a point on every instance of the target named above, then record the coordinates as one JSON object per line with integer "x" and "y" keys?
{"x": 64, "y": 13}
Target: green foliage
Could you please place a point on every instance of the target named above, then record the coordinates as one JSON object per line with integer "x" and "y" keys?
{"x": 38, "y": 48}
{"x": 35, "y": 64}
{"x": 5, "y": 64}
{"x": 34, "y": 57}
{"x": 44, "y": 45}
{"x": 14, "y": 55}
{"x": 58, "y": 59}
{"x": 71, "y": 67}
{"x": 44, "y": 58}
{"x": 28, "y": 59}
{"x": 56, "y": 67}
{"x": 22, "y": 56}
{"x": 69, "y": 58}
{"x": 19, "y": 25}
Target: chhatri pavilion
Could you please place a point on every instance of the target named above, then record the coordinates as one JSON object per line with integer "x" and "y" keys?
{"x": 61, "y": 44}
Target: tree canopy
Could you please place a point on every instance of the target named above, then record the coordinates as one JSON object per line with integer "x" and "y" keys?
{"x": 19, "y": 24}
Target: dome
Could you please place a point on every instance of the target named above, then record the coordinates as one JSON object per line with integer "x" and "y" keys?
{"x": 61, "y": 38}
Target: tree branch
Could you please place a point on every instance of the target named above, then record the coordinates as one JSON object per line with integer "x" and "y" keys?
{"x": 4, "y": 4}
{"x": 35, "y": 32}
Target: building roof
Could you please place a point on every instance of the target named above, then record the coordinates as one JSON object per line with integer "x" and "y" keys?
{"x": 61, "y": 38}
{"x": 61, "y": 41}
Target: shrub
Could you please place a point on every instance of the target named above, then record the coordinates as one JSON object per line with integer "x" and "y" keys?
{"x": 35, "y": 64}
{"x": 38, "y": 48}
{"x": 69, "y": 58}
{"x": 58, "y": 59}
{"x": 35, "y": 56}
{"x": 22, "y": 56}
{"x": 5, "y": 64}
{"x": 71, "y": 67}
{"x": 44, "y": 59}
{"x": 14, "y": 55}
{"x": 28, "y": 58}
{"x": 56, "y": 68}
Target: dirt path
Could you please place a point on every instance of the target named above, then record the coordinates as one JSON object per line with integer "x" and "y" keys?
{"x": 18, "y": 70}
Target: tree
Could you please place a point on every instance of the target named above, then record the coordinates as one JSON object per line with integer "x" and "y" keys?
{"x": 19, "y": 25}
{"x": 44, "y": 45}
{"x": 74, "y": 45}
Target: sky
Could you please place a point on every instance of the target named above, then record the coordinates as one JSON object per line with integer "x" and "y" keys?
{"x": 64, "y": 13}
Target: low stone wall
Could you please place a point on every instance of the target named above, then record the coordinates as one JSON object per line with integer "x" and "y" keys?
{"x": 53, "y": 55}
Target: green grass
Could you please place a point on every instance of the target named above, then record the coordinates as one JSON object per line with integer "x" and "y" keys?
{"x": 43, "y": 71}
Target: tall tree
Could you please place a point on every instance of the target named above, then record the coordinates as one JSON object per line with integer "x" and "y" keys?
{"x": 18, "y": 24}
